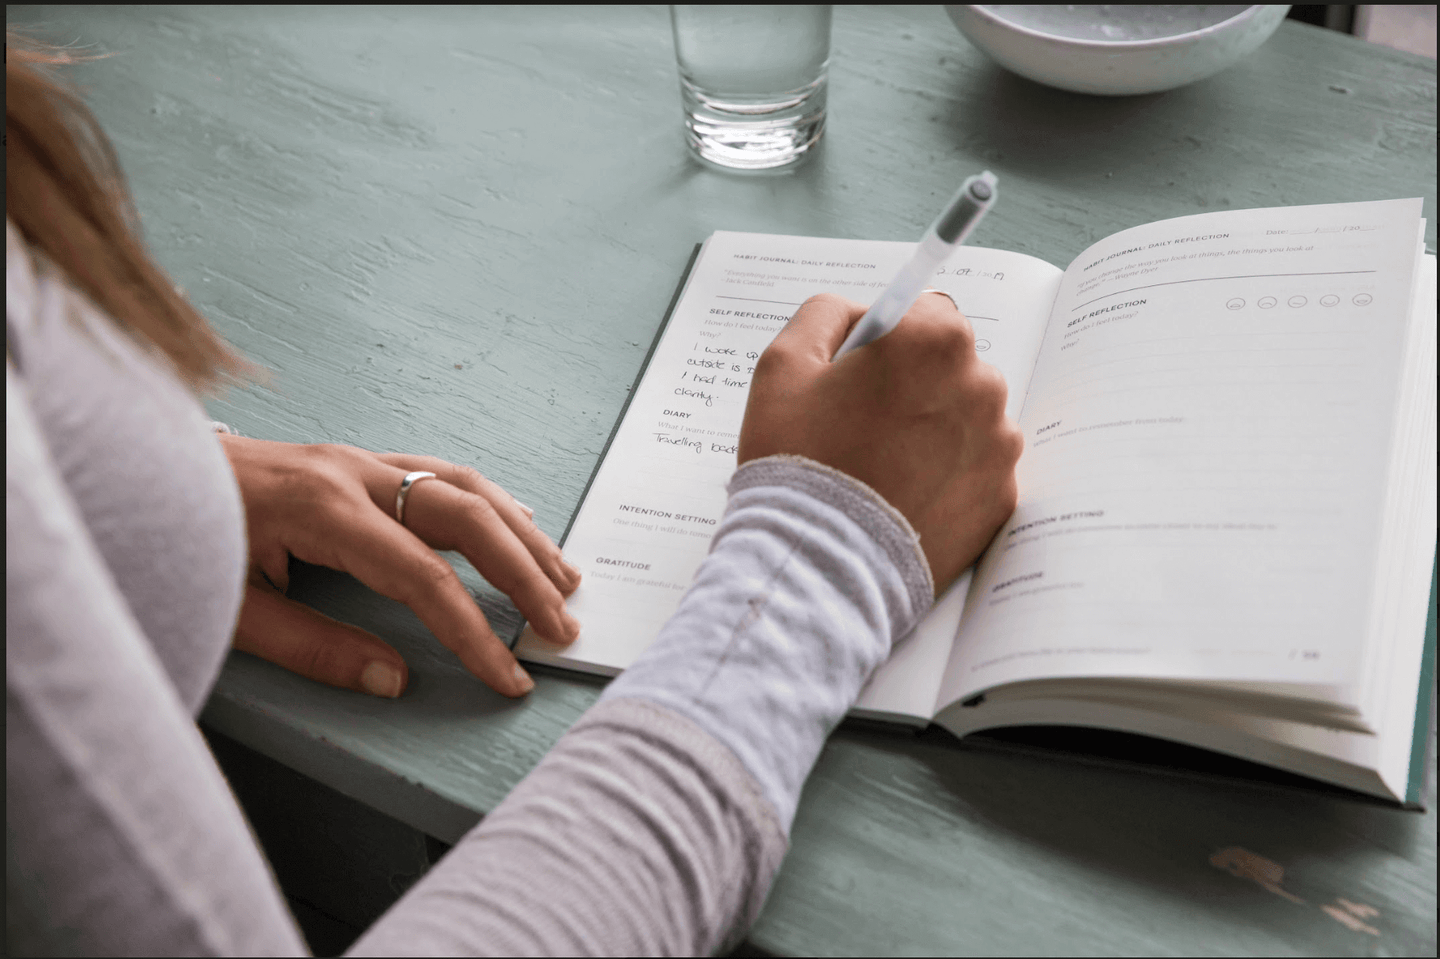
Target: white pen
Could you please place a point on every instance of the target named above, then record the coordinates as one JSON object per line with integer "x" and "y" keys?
{"x": 973, "y": 201}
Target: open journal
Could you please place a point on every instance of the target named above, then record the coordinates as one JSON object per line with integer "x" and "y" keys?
{"x": 1227, "y": 511}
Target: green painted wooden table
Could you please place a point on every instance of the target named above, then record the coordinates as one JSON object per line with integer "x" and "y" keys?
{"x": 454, "y": 230}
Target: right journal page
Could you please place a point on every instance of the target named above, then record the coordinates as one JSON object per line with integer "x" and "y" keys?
{"x": 1206, "y": 431}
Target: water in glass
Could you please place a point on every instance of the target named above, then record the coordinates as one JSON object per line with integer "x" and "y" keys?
{"x": 752, "y": 81}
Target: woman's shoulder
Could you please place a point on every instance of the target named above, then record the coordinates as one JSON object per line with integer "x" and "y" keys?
{"x": 40, "y": 301}
{"x": 134, "y": 451}
{"x": 19, "y": 284}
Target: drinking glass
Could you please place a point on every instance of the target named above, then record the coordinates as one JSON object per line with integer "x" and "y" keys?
{"x": 752, "y": 81}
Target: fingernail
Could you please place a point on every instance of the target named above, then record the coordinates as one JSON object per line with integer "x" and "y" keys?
{"x": 523, "y": 678}
{"x": 572, "y": 568}
{"x": 381, "y": 679}
{"x": 528, "y": 511}
{"x": 572, "y": 627}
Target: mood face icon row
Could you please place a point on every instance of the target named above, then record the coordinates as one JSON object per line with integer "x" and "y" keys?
{"x": 1297, "y": 301}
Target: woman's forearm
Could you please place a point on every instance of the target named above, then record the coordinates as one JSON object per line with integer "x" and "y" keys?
{"x": 656, "y": 825}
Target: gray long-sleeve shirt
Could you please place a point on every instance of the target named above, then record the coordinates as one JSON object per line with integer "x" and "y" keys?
{"x": 655, "y": 825}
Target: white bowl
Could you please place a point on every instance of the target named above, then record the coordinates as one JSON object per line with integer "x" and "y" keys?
{"x": 1117, "y": 49}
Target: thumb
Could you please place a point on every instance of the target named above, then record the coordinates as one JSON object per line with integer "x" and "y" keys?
{"x": 316, "y": 646}
{"x": 818, "y": 328}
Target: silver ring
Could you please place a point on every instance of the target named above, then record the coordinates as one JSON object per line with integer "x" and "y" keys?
{"x": 931, "y": 289}
{"x": 410, "y": 480}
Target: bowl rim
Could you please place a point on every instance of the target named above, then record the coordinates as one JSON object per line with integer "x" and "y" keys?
{"x": 1250, "y": 11}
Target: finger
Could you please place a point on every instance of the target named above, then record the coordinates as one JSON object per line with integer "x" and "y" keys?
{"x": 941, "y": 307}
{"x": 447, "y": 517}
{"x": 316, "y": 646}
{"x": 932, "y": 331}
{"x": 938, "y": 310}
{"x": 943, "y": 295}
{"x": 391, "y": 560}
{"x": 818, "y": 328}
{"x": 516, "y": 515}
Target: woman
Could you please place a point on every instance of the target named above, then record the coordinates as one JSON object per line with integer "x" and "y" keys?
{"x": 655, "y": 825}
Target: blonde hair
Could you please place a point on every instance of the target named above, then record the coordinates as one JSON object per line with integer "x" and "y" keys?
{"x": 65, "y": 193}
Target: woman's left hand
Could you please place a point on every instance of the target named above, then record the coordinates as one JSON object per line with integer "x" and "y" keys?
{"x": 334, "y": 506}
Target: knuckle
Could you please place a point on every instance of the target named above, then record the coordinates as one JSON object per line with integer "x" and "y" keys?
{"x": 327, "y": 460}
{"x": 772, "y": 361}
{"x": 313, "y": 481}
{"x": 940, "y": 338}
{"x": 986, "y": 388}
{"x": 326, "y": 659}
{"x": 991, "y": 380}
{"x": 478, "y": 514}
{"x": 1007, "y": 451}
{"x": 533, "y": 592}
{"x": 524, "y": 582}
{"x": 432, "y": 580}
{"x": 312, "y": 659}
{"x": 826, "y": 299}
{"x": 468, "y": 476}
{"x": 1012, "y": 444}
{"x": 334, "y": 453}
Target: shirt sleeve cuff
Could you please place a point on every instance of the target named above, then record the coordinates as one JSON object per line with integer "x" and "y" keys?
{"x": 810, "y": 580}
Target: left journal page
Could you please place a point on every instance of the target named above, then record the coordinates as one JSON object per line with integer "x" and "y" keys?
{"x": 657, "y": 498}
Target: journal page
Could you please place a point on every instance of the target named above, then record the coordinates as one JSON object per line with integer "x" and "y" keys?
{"x": 654, "y": 504}
{"x": 1206, "y": 437}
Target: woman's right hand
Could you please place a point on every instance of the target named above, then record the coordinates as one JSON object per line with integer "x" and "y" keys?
{"x": 915, "y": 415}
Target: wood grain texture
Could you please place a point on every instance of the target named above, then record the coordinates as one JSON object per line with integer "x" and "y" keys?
{"x": 453, "y": 230}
